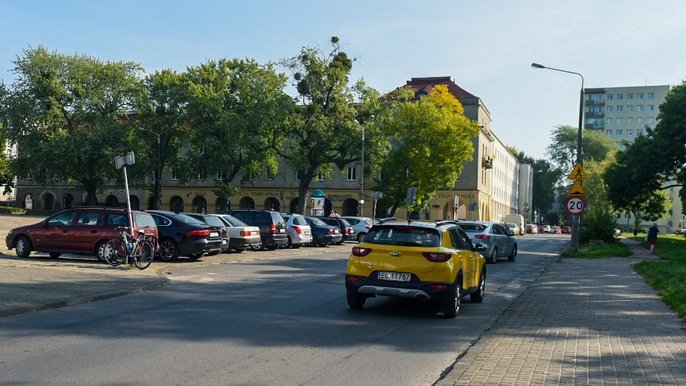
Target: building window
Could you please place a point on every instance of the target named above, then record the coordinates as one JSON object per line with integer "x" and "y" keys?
{"x": 321, "y": 177}
{"x": 629, "y": 120}
{"x": 630, "y": 95}
{"x": 639, "y": 131}
{"x": 620, "y": 109}
{"x": 610, "y": 108}
{"x": 639, "y": 95}
{"x": 221, "y": 175}
{"x": 269, "y": 175}
{"x": 610, "y": 97}
{"x": 202, "y": 175}
{"x": 651, "y": 95}
{"x": 630, "y": 132}
{"x": 620, "y": 96}
{"x": 609, "y": 121}
{"x": 640, "y": 120}
{"x": 352, "y": 174}
{"x": 651, "y": 120}
{"x": 174, "y": 174}
{"x": 619, "y": 132}
{"x": 620, "y": 121}
{"x": 651, "y": 107}
{"x": 609, "y": 133}
{"x": 639, "y": 107}
{"x": 629, "y": 107}
{"x": 595, "y": 97}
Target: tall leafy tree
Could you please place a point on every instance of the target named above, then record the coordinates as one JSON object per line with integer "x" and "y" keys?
{"x": 163, "y": 125}
{"x": 562, "y": 151}
{"x": 237, "y": 111}
{"x": 6, "y": 178}
{"x": 67, "y": 116}
{"x": 635, "y": 180}
{"x": 326, "y": 129}
{"x": 431, "y": 140}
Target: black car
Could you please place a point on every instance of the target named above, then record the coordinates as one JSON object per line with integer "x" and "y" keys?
{"x": 182, "y": 235}
{"x": 346, "y": 229}
{"x": 272, "y": 226}
{"x": 322, "y": 233}
{"x": 215, "y": 221}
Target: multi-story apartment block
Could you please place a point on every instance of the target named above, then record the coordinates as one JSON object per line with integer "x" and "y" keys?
{"x": 492, "y": 185}
{"x": 622, "y": 114}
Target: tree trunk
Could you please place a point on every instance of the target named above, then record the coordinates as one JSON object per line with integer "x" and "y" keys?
{"x": 303, "y": 186}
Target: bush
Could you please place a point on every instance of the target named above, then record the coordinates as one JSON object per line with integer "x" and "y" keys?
{"x": 597, "y": 225}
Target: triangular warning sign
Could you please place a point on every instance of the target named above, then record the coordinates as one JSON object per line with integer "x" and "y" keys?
{"x": 577, "y": 189}
{"x": 577, "y": 174}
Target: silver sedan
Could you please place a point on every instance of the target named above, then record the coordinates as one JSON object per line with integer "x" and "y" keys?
{"x": 497, "y": 239}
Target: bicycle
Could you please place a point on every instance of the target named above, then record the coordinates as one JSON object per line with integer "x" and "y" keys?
{"x": 138, "y": 251}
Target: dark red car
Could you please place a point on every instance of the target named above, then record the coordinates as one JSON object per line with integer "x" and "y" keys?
{"x": 567, "y": 229}
{"x": 77, "y": 230}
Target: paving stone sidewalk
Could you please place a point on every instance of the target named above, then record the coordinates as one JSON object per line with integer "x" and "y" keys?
{"x": 582, "y": 322}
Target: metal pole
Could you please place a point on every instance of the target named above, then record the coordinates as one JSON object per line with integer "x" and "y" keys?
{"x": 576, "y": 220}
{"x": 362, "y": 178}
{"x": 128, "y": 206}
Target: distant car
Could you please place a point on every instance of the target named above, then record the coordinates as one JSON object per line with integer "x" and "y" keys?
{"x": 531, "y": 228}
{"x": 495, "y": 237}
{"x": 272, "y": 226}
{"x": 241, "y": 235}
{"x": 346, "y": 229}
{"x": 361, "y": 225}
{"x": 680, "y": 231}
{"x": 77, "y": 230}
{"x": 182, "y": 235}
{"x": 426, "y": 261}
{"x": 545, "y": 228}
{"x": 555, "y": 229}
{"x": 514, "y": 228}
{"x": 213, "y": 220}
{"x": 566, "y": 229}
{"x": 322, "y": 233}
{"x": 299, "y": 231}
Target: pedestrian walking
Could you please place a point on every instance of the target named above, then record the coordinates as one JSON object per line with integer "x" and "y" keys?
{"x": 652, "y": 237}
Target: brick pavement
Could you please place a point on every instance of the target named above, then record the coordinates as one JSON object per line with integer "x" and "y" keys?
{"x": 582, "y": 322}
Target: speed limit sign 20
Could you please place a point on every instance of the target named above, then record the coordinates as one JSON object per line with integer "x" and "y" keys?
{"x": 575, "y": 205}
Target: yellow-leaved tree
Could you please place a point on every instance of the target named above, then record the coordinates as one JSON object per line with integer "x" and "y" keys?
{"x": 431, "y": 140}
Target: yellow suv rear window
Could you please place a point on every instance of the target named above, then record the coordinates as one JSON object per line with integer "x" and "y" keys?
{"x": 403, "y": 235}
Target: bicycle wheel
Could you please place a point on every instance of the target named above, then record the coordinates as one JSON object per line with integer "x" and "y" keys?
{"x": 114, "y": 252}
{"x": 145, "y": 256}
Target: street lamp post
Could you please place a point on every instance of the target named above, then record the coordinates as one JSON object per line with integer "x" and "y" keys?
{"x": 158, "y": 169}
{"x": 576, "y": 224}
{"x": 362, "y": 178}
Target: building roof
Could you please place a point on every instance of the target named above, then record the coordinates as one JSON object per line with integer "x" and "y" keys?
{"x": 424, "y": 86}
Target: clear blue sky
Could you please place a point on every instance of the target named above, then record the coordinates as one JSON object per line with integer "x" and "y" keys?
{"x": 486, "y": 46}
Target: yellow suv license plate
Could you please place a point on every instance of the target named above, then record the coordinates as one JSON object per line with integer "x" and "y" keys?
{"x": 394, "y": 276}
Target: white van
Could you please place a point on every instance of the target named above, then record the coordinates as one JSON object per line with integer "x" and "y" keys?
{"x": 516, "y": 219}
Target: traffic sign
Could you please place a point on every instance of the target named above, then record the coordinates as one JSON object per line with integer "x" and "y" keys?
{"x": 577, "y": 174}
{"x": 575, "y": 205}
{"x": 577, "y": 189}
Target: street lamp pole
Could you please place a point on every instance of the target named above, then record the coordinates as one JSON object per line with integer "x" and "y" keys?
{"x": 576, "y": 225}
{"x": 362, "y": 178}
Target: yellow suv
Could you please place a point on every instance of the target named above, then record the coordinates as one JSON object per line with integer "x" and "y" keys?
{"x": 427, "y": 261}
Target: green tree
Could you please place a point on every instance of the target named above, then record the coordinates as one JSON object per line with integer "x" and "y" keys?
{"x": 6, "y": 178}
{"x": 562, "y": 150}
{"x": 163, "y": 125}
{"x": 66, "y": 114}
{"x": 431, "y": 141}
{"x": 238, "y": 112}
{"x": 635, "y": 181}
{"x": 326, "y": 129}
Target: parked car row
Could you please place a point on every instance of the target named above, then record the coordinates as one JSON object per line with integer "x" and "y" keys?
{"x": 86, "y": 230}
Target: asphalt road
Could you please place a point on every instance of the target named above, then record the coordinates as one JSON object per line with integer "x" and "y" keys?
{"x": 269, "y": 322}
